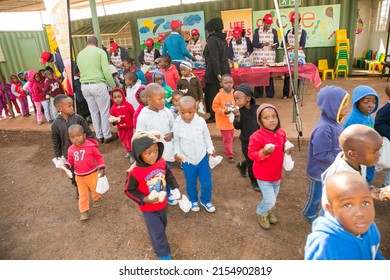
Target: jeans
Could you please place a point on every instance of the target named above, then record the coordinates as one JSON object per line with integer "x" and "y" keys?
{"x": 270, "y": 191}
{"x": 313, "y": 200}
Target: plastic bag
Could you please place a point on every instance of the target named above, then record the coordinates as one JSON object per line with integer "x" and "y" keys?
{"x": 384, "y": 159}
{"x": 231, "y": 117}
{"x": 184, "y": 203}
{"x": 288, "y": 163}
{"x": 214, "y": 161}
{"x": 102, "y": 185}
{"x": 201, "y": 108}
{"x": 58, "y": 162}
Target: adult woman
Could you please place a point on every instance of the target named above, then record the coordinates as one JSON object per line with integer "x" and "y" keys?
{"x": 217, "y": 62}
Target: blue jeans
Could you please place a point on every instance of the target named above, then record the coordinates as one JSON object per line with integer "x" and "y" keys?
{"x": 313, "y": 199}
{"x": 192, "y": 173}
{"x": 156, "y": 222}
{"x": 270, "y": 191}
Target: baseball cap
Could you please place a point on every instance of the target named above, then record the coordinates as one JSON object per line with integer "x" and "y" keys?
{"x": 292, "y": 16}
{"x": 149, "y": 42}
{"x": 113, "y": 46}
{"x": 194, "y": 31}
{"x": 176, "y": 23}
{"x": 237, "y": 31}
{"x": 45, "y": 56}
{"x": 161, "y": 37}
{"x": 268, "y": 19}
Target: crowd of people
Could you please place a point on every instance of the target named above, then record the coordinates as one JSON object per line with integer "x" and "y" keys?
{"x": 161, "y": 122}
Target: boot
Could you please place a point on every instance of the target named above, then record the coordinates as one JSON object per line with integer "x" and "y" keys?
{"x": 263, "y": 221}
{"x": 272, "y": 218}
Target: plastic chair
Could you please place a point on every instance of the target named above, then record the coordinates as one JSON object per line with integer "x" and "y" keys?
{"x": 341, "y": 34}
{"x": 341, "y": 67}
{"x": 368, "y": 56}
{"x": 380, "y": 57}
{"x": 324, "y": 69}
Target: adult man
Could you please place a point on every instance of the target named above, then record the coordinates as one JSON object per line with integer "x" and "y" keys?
{"x": 56, "y": 58}
{"x": 175, "y": 45}
{"x": 196, "y": 46}
{"x": 149, "y": 55}
{"x": 117, "y": 55}
{"x": 265, "y": 42}
{"x": 94, "y": 76}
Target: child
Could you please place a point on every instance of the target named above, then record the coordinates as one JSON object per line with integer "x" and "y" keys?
{"x": 348, "y": 230}
{"x": 382, "y": 125}
{"x": 3, "y": 105}
{"x": 39, "y": 97}
{"x": 169, "y": 70}
{"x": 360, "y": 146}
{"x": 324, "y": 143}
{"x": 118, "y": 79}
{"x": 245, "y": 119}
{"x": 17, "y": 90}
{"x": 192, "y": 145}
{"x": 52, "y": 87}
{"x": 132, "y": 85}
{"x": 156, "y": 117}
{"x": 11, "y": 96}
{"x": 150, "y": 172}
{"x": 125, "y": 111}
{"x": 159, "y": 78}
{"x": 190, "y": 82}
{"x": 60, "y": 125}
{"x": 88, "y": 164}
{"x": 130, "y": 66}
{"x": 223, "y": 106}
{"x": 176, "y": 96}
{"x": 266, "y": 149}
{"x": 142, "y": 99}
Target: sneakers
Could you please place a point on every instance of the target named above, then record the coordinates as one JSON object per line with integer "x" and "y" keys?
{"x": 97, "y": 203}
{"x": 209, "y": 207}
{"x": 127, "y": 155}
{"x": 263, "y": 221}
{"x": 230, "y": 159}
{"x": 172, "y": 202}
{"x": 166, "y": 258}
{"x": 84, "y": 216}
{"x": 195, "y": 207}
{"x": 272, "y": 218}
{"x": 242, "y": 169}
{"x": 210, "y": 120}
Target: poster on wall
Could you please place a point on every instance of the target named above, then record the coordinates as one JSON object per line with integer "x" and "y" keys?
{"x": 320, "y": 23}
{"x": 153, "y": 27}
{"x": 51, "y": 39}
{"x": 237, "y": 18}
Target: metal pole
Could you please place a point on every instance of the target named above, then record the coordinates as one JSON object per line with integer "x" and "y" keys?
{"x": 71, "y": 53}
{"x": 95, "y": 22}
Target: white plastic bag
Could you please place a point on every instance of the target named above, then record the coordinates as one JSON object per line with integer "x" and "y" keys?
{"x": 102, "y": 185}
{"x": 384, "y": 160}
{"x": 288, "y": 163}
{"x": 201, "y": 108}
{"x": 214, "y": 161}
{"x": 184, "y": 203}
{"x": 231, "y": 117}
{"x": 58, "y": 162}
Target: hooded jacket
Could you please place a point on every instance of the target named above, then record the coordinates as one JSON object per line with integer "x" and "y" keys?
{"x": 267, "y": 168}
{"x": 357, "y": 117}
{"x": 142, "y": 178}
{"x": 324, "y": 141}
{"x": 193, "y": 85}
{"x": 329, "y": 241}
{"x": 167, "y": 88}
{"x": 86, "y": 158}
{"x": 382, "y": 121}
{"x": 125, "y": 111}
{"x": 37, "y": 92}
{"x": 171, "y": 76}
{"x": 140, "y": 107}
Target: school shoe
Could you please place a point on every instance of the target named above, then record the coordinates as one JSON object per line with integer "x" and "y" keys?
{"x": 195, "y": 207}
{"x": 166, "y": 258}
{"x": 209, "y": 207}
{"x": 172, "y": 202}
{"x": 210, "y": 120}
{"x": 241, "y": 169}
{"x": 97, "y": 203}
{"x": 263, "y": 221}
{"x": 272, "y": 218}
{"x": 112, "y": 138}
{"x": 84, "y": 216}
{"x": 101, "y": 140}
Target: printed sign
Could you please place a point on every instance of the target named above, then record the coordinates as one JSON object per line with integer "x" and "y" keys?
{"x": 237, "y": 18}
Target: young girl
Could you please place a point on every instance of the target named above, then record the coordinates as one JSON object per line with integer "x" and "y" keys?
{"x": 11, "y": 96}
{"x": 17, "y": 90}
{"x": 3, "y": 105}
{"x": 124, "y": 111}
{"x": 169, "y": 70}
{"x": 245, "y": 119}
{"x": 159, "y": 78}
{"x": 223, "y": 105}
{"x": 142, "y": 99}
{"x": 38, "y": 96}
{"x": 266, "y": 149}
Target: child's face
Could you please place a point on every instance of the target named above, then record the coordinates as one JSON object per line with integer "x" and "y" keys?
{"x": 66, "y": 107}
{"x": 368, "y": 152}
{"x": 14, "y": 79}
{"x": 187, "y": 112}
{"x": 162, "y": 63}
{"x": 21, "y": 76}
{"x": 344, "y": 111}
{"x": 117, "y": 97}
{"x": 185, "y": 71}
{"x": 143, "y": 97}
{"x": 129, "y": 82}
{"x": 150, "y": 155}
{"x": 241, "y": 98}
{"x": 127, "y": 65}
{"x": 156, "y": 101}
{"x": 227, "y": 83}
{"x": 269, "y": 119}
{"x": 175, "y": 99}
{"x": 37, "y": 77}
{"x": 77, "y": 137}
{"x": 367, "y": 104}
{"x": 158, "y": 79}
{"x": 43, "y": 73}
{"x": 49, "y": 75}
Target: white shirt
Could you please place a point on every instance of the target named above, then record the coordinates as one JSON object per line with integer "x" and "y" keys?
{"x": 130, "y": 94}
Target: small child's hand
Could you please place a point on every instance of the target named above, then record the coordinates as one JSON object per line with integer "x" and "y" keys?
{"x": 102, "y": 173}
{"x": 213, "y": 154}
{"x": 227, "y": 111}
{"x": 168, "y": 137}
{"x": 179, "y": 158}
{"x": 150, "y": 201}
{"x": 289, "y": 151}
{"x": 268, "y": 149}
{"x": 236, "y": 112}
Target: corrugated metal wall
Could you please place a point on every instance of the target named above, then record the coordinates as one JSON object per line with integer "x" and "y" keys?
{"x": 22, "y": 50}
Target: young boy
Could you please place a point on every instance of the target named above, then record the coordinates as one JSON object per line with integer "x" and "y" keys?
{"x": 176, "y": 96}
{"x": 130, "y": 66}
{"x": 190, "y": 82}
{"x": 59, "y": 128}
{"x": 52, "y": 87}
{"x": 382, "y": 125}
{"x": 223, "y": 106}
{"x": 245, "y": 119}
{"x": 132, "y": 85}
{"x": 192, "y": 145}
{"x": 348, "y": 230}
{"x": 324, "y": 143}
{"x": 88, "y": 164}
{"x": 151, "y": 172}
{"x": 169, "y": 70}
{"x": 159, "y": 78}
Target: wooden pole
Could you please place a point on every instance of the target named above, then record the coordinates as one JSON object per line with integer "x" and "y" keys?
{"x": 6, "y": 94}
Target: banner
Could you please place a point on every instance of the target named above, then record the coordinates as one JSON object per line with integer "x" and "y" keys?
{"x": 320, "y": 23}
{"x": 153, "y": 27}
{"x": 51, "y": 39}
{"x": 237, "y": 18}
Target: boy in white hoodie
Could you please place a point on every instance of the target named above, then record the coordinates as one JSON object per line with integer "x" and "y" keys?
{"x": 132, "y": 85}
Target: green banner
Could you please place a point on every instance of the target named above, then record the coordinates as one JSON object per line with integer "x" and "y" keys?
{"x": 320, "y": 23}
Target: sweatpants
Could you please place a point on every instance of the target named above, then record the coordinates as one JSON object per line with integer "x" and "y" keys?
{"x": 24, "y": 104}
{"x": 247, "y": 163}
{"x": 85, "y": 184}
{"x": 227, "y": 139}
{"x": 125, "y": 135}
{"x": 156, "y": 222}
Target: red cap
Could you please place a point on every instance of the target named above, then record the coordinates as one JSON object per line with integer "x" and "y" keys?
{"x": 113, "y": 46}
{"x": 149, "y": 42}
{"x": 237, "y": 31}
{"x": 176, "y": 23}
{"x": 161, "y": 37}
{"x": 268, "y": 19}
{"x": 194, "y": 31}
{"x": 45, "y": 56}
{"x": 292, "y": 16}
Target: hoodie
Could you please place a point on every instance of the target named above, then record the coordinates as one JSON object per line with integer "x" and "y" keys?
{"x": 267, "y": 168}
{"x": 86, "y": 158}
{"x": 125, "y": 111}
{"x": 140, "y": 107}
{"x": 382, "y": 121}
{"x": 171, "y": 76}
{"x": 130, "y": 94}
{"x": 37, "y": 92}
{"x": 142, "y": 178}
{"x": 324, "y": 140}
{"x": 356, "y": 116}
{"x": 329, "y": 241}
{"x": 167, "y": 88}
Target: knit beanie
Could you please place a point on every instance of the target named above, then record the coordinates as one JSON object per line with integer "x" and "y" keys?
{"x": 186, "y": 64}
{"x": 245, "y": 88}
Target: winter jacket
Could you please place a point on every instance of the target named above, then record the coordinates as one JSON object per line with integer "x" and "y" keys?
{"x": 171, "y": 76}
{"x": 194, "y": 87}
{"x": 125, "y": 111}
{"x": 37, "y": 93}
{"x": 17, "y": 90}
{"x": 382, "y": 121}
{"x": 248, "y": 122}
{"x": 53, "y": 87}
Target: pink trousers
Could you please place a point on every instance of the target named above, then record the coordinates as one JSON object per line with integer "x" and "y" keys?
{"x": 227, "y": 139}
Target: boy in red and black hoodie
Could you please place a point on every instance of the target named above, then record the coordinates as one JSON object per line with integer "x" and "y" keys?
{"x": 151, "y": 172}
